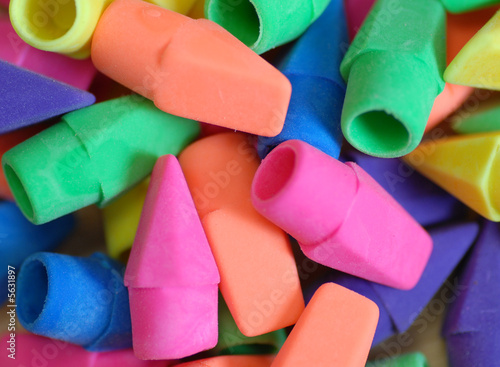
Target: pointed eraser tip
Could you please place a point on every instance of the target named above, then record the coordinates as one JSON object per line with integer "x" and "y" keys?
{"x": 29, "y": 98}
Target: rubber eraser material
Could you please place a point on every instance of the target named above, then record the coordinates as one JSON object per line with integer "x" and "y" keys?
{"x": 448, "y": 162}
{"x": 259, "y": 278}
{"x": 231, "y": 361}
{"x": 55, "y": 290}
{"x": 205, "y": 73}
{"x": 335, "y": 329}
{"x": 403, "y": 360}
{"x": 171, "y": 273}
{"x": 352, "y": 222}
{"x": 392, "y": 85}
{"x": 29, "y": 98}
{"x": 34, "y": 350}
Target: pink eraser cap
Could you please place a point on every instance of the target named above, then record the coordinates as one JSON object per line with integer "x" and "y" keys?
{"x": 77, "y": 73}
{"x": 341, "y": 216}
{"x": 171, "y": 273}
{"x": 33, "y": 350}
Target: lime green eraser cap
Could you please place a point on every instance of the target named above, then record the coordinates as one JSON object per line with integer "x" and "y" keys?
{"x": 92, "y": 156}
{"x": 264, "y": 24}
{"x": 393, "y": 71}
{"x": 404, "y": 360}
{"x": 462, "y": 6}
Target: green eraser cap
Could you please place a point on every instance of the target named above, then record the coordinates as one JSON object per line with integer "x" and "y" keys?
{"x": 462, "y": 6}
{"x": 404, "y": 360}
{"x": 92, "y": 156}
{"x": 393, "y": 71}
{"x": 480, "y": 122}
{"x": 263, "y": 24}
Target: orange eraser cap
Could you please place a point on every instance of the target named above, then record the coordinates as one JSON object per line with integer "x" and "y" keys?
{"x": 231, "y": 361}
{"x": 335, "y": 329}
{"x": 259, "y": 277}
{"x": 190, "y": 68}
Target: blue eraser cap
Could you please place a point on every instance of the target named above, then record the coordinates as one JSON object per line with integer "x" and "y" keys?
{"x": 28, "y": 98}
{"x": 79, "y": 300}
{"x": 19, "y": 238}
{"x": 422, "y": 199}
{"x": 318, "y": 90}
{"x": 473, "y": 319}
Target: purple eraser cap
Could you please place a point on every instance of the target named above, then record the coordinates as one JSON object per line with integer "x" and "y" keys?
{"x": 451, "y": 243}
{"x": 27, "y": 98}
{"x": 473, "y": 318}
{"x": 424, "y": 200}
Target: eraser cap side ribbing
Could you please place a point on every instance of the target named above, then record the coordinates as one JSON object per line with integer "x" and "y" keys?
{"x": 285, "y": 179}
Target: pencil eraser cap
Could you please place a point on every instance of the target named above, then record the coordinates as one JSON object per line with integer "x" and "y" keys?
{"x": 334, "y": 210}
{"x": 190, "y": 68}
{"x": 171, "y": 273}
{"x": 230, "y": 361}
{"x": 263, "y": 25}
{"x": 79, "y": 300}
{"x": 29, "y": 98}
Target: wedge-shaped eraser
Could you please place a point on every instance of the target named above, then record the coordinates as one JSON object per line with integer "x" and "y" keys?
{"x": 475, "y": 65}
{"x": 77, "y": 73}
{"x": 259, "y": 277}
{"x": 121, "y": 219}
{"x": 484, "y": 121}
{"x": 19, "y": 239}
{"x": 190, "y": 68}
{"x": 231, "y": 361}
{"x": 28, "y": 98}
{"x": 65, "y": 27}
{"x": 92, "y": 156}
{"x": 263, "y": 25}
{"x": 472, "y": 321}
{"x": 34, "y": 350}
{"x": 232, "y": 341}
{"x": 392, "y": 83}
{"x": 399, "y": 309}
{"x": 340, "y": 216}
{"x": 335, "y": 329}
{"x": 78, "y": 300}
{"x": 171, "y": 273}
{"x": 9, "y": 141}
{"x": 312, "y": 66}
{"x": 463, "y": 6}
{"x": 466, "y": 166}
{"x": 404, "y": 360}
{"x": 426, "y": 202}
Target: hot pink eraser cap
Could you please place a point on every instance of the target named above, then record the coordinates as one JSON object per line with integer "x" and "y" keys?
{"x": 78, "y": 73}
{"x": 34, "y": 350}
{"x": 171, "y": 273}
{"x": 341, "y": 217}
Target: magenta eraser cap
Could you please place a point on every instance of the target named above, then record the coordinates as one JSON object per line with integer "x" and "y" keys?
{"x": 38, "y": 351}
{"x": 171, "y": 273}
{"x": 170, "y": 247}
{"x": 341, "y": 217}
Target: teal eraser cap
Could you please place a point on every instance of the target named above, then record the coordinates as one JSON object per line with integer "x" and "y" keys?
{"x": 394, "y": 71}
{"x": 92, "y": 156}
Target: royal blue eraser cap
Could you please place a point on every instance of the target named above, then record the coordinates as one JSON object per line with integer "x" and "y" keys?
{"x": 473, "y": 319}
{"x": 28, "y": 98}
{"x": 312, "y": 66}
{"x": 19, "y": 238}
{"x": 422, "y": 199}
{"x": 78, "y": 300}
